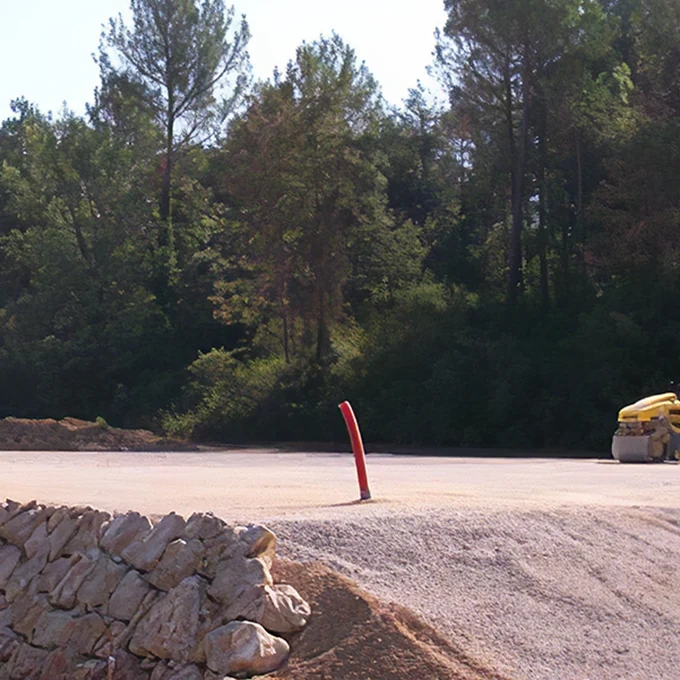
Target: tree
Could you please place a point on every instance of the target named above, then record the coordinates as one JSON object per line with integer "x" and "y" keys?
{"x": 75, "y": 301}
{"x": 654, "y": 30}
{"x": 180, "y": 53}
{"x": 496, "y": 58}
{"x": 301, "y": 174}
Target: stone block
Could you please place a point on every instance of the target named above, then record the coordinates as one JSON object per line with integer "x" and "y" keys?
{"x": 123, "y": 531}
{"x": 244, "y": 648}
{"x": 168, "y": 631}
{"x": 145, "y": 553}
{"x": 128, "y": 596}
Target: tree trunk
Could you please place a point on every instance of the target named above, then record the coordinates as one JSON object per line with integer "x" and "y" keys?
{"x": 567, "y": 226}
{"x": 322, "y": 334}
{"x": 580, "y": 218}
{"x": 164, "y": 206}
{"x": 579, "y": 186}
{"x": 285, "y": 336}
{"x": 80, "y": 238}
{"x": 510, "y": 126}
{"x": 542, "y": 198}
{"x": 515, "y": 264}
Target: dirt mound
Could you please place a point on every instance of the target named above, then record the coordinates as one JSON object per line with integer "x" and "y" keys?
{"x": 351, "y": 635}
{"x": 71, "y": 434}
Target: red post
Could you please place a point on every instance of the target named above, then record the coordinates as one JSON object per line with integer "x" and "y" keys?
{"x": 357, "y": 447}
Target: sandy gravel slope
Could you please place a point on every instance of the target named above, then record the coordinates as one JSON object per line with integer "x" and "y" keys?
{"x": 552, "y": 569}
{"x": 563, "y": 593}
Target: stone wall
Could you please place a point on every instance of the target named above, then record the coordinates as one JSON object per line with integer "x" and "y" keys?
{"x": 86, "y": 596}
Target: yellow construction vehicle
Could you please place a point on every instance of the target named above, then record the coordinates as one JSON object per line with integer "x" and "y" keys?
{"x": 649, "y": 430}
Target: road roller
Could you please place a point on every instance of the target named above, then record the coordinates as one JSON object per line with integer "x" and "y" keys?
{"x": 649, "y": 430}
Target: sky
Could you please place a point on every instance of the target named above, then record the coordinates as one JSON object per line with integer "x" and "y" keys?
{"x": 46, "y": 45}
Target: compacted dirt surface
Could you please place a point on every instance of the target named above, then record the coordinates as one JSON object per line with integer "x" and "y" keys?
{"x": 530, "y": 569}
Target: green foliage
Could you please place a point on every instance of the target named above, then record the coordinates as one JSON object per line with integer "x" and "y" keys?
{"x": 306, "y": 187}
{"x": 500, "y": 271}
{"x": 174, "y": 64}
{"x": 178, "y": 54}
{"x": 101, "y": 422}
{"x": 230, "y": 395}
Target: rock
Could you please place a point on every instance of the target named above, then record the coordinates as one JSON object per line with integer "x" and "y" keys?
{"x": 123, "y": 531}
{"x": 127, "y": 667}
{"x": 4, "y": 514}
{"x": 103, "y": 528}
{"x": 145, "y": 553}
{"x": 61, "y": 535}
{"x": 92, "y": 670}
{"x": 248, "y": 605}
{"x": 28, "y": 663}
{"x": 190, "y": 672}
{"x": 210, "y": 617}
{"x": 169, "y": 629}
{"x": 238, "y": 586}
{"x": 64, "y": 595}
{"x": 19, "y": 529}
{"x": 180, "y": 560}
{"x": 37, "y": 540}
{"x": 53, "y": 629}
{"x": 259, "y": 542}
{"x": 13, "y": 508}
{"x": 59, "y": 665}
{"x": 235, "y": 575}
{"x": 6, "y": 618}
{"x": 245, "y": 648}
{"x": 63, "y": 629}
{"x": 9, "y": 643}
{"x": 204, "y": 526}
{"x": 26, "y": 611}
{"x": 9, "y": 558}
{"x": 87, "y": 536}
{"x": 85, "y": 632}
{"x": 284, "y": 609}
{"x": 55, "y": 518}
{"x": 215, "y": 549}
{"x": 127, "y": 597}
{"x": 105, "y": 646}
{"x": 159, "y": 672}
{"x": 100, "y": 583}
{"x": 122, "y": 640}
{"x": 53, "y": 572}
{"x": 25, "y": 572}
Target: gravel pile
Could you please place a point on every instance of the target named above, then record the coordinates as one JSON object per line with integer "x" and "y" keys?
{"x": 565, "y": 593}
{"x": 352, "y": 635}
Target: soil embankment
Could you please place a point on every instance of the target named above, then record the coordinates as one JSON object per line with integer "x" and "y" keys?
{"x": 72, "y": 434}
{"x": 352, "y": 635}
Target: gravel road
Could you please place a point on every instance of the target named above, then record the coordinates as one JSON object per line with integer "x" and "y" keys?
{"x": 556, "y": 569}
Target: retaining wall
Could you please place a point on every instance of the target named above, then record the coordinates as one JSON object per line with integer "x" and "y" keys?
{"x": 85, "y": 595}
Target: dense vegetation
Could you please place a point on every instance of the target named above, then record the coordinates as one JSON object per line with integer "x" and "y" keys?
{"x": 230, "y": 260}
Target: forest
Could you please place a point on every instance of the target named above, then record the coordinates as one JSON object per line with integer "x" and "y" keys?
{"x": 228, "y": 260}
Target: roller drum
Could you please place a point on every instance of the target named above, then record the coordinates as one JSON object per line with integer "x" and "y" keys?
{"x": 632, "y": 449}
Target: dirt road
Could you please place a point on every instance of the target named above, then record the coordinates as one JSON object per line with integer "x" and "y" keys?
{"x": 554, "y": 569}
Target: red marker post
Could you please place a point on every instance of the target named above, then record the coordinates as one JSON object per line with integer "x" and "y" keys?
{"x": 358, "y": 448}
